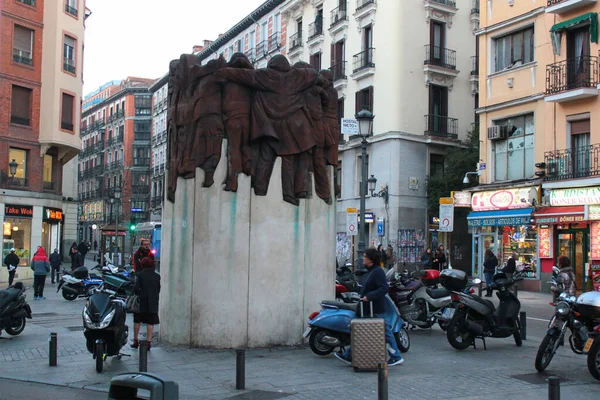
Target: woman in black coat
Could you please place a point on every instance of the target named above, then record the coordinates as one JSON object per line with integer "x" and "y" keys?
{"x": 147, "y": 286}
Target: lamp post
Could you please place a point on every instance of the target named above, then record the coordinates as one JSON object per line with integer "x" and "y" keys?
{"x": 466, "y": 178}
{"x": 12, "y": 167}
{"x": 365, "y": 128}
{"x": 116, "y": 197}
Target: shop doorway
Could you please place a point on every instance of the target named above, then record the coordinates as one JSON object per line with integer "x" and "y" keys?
{"x": 481, "y": 242}
{"x": 574, "y": 243}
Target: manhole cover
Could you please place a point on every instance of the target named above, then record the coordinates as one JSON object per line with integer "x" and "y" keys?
{"x": 75, "y": 328}
{"x": 260, "y": 395}
{"x": 45, "y": 314}
{"x": 536, "y": 378}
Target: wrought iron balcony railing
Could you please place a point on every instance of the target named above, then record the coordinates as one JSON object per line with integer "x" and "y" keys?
{"x": 572, "y": 73}
{"x": 475, "y": 65}
{"x": 339, "y": 14}
{"x": 141, "y": 162}
{"x": 22, "y": 57}
{"x": 274, "y": 41}
{"x": 338, "y": 71}
{"x": 364, "y": 59}
{"x": 360, "y": 4}
{"x": 71, "y": 10}
{"x": 578, "y": 162}
{"x": 315, "y": 29}
{"x": 251, "y": 54}
{"x": 156, "y": 202}
{"x": 144, "y": 136}
{"x": 140, "y": 189}
{"x": 450, "y": 3}
{"x": 436, "y": 55}
{"x": 261, "y": 49}
{"x": 296, "y": 41}
{"x": 69, "y": 65}
{"x": 440, "y": 125}
{"x": 474, "y": 6}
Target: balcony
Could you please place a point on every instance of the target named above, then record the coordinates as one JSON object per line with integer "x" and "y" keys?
{"x": 70, "y": 10}
{"x": 338, "y": 71}
{"x": 364, "y": 8}
{"x": 140, "y": 190}
{"x": 564, "y": 6}
{"x": 141, "y": 162}
{"x": 142, "y": 136}
{"x": 442, "y": 126}
{"x": 156, "y": 202}
{"x": 22, "y": 57}
{"x": 274, "y": 42}
{"x": 440, "y": 66}
{"x": 442, "y": 10}
{"x": 339, "y": 18}
{"x": 475, "y": 15}
{"x": 572, "y": 79}
{"x": 114, "y": 165}
{"x": 139, "y": 216}
{"x": 363, "y": 63}
{"x": 580, "y": 162}
{"x": 69, "y": 65}
{"x": 295, "y": 44}
{"x": 315, "y": 32}
{"x": 251, "y": 54}
{"x": 474, "y": 76}
{"x": 261, "y": 50}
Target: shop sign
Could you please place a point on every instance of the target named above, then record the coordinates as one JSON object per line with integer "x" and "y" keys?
{"x": 560, "y": 219}
{"x": 575, "y": 197}
{"x": 433, "y": 220}
{"x": 505, "y": 199}
{"x": 462, "y": 199}
{"x": 18, "y": 211}
{"x": 53, "y": 214}
{"x": 546, "y": 246}
{"x": 592, "y": 212}
{"x": 501, "y": 221}
{"x": 595, "y": 240}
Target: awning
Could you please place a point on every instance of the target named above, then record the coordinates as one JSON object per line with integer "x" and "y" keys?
{"x": 556, "y": 30}
{"x": 520, "y": 216}
{"x": 559, "y": 215}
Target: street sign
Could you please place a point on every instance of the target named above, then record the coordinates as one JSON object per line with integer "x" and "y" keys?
{"x": 351, "y": 210}
{"x": 352, "y": 224}
{"x": 481, "y": 166}
{"x": 446, "y": 218}
{"x": 349, "y": 126}
{"x": 446, "y": 200}
{"x": 380, "y": 226}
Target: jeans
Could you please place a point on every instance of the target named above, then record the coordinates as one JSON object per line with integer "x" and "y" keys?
{"x": 57, "y": 270}
{"x": 38, "y": 285}
{"x": 392, "y": 347}
{"x": 11, "y": 277}
{"x": 489, "y": 276}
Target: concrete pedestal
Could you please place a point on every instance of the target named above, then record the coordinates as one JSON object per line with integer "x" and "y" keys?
{"x": 243, "y": 270}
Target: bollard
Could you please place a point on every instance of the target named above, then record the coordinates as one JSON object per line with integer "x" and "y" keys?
{"x": 382, "y": 382}
{"x": 480, "y": 288}
{"x": 53, "y": 353}
{"x": 240, "y": 369}
{"x": 553, "y": 388}
{"x": 523, "y": 319}
{"x": 143, "y": 356}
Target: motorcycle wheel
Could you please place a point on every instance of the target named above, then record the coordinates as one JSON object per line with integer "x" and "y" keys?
{"x": 316, "y": 346}
{"x": 518, "y": 339}
{"x": 420, "y": 312}
{"x": 573, "y": 345}
{"x": 593, "y": 360}
{"x": 17, "y": 328}
{"x": 69, "y": 296}
{"x": 402, "y": 340}
{"x": 456, "y": 331}
{"x": 546, "y": 352}
{"x": 99, "y": 357}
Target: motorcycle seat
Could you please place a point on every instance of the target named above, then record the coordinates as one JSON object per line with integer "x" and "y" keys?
{"x": 438, "y": 293}
{"x": 340, "y": 304}
{"x": 8, "y": 295}
{"x": 485, "y": 302}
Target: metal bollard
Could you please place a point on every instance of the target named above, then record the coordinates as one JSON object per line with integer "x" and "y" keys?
{"x": 143, "y": 356}
{"x": 553, "y": 388}
{"x": 382, "y": 382}
{"x": 523, "y": 319}
{"x": 240, "y": 369}
{"x": 53, "y": 353}
{"x": 480, "y": 288}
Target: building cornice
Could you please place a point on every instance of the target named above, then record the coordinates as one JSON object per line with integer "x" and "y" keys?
{"x": 401, "y": 136}
{"x": 510, "y": 103}
{"x": 506, "y": 23}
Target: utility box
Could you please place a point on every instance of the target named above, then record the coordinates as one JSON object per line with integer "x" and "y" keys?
{"x": 125, "y": 387}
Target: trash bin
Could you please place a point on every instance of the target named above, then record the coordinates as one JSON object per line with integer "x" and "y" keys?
{"x": 125, "y": 386}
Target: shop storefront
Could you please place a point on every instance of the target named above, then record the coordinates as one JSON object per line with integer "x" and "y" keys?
{"x": 502, "y": 221}
{"x": 17, "y": 232}
{"x": 52, "y": 220}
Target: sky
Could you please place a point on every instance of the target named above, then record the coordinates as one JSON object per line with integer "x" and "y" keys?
{"x": 139, "y": 37}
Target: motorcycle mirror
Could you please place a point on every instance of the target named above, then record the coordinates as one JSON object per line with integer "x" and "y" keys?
{"x": 476, "y": 281}
{"x": 555, "y": 269}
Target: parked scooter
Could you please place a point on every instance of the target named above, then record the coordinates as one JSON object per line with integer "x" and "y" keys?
{"x": 14, "y": 309}
{"x": 330, "y": 328}
{"x": 78, "y": 283}
{"x": 105, "y": 329}
{"x": 118, "y": 280}
{"x": 475, "y": 317}
{"x": 593, "y": 348}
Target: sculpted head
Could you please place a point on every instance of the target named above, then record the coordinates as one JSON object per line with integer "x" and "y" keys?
{"x": 239, "y": 60}
{"x": 279, "y": 63}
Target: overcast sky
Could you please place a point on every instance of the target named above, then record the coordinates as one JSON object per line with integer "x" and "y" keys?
{"x": 139, "y": 37}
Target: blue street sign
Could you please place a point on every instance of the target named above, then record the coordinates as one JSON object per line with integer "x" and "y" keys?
{"x": 380, "y": 226}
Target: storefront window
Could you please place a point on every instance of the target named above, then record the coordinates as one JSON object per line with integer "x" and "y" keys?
{"x": 17, "y": 235}
{"x": 522, "y": 240}
{"x": 20, "y": 157}
{"x": 47, "y": 174}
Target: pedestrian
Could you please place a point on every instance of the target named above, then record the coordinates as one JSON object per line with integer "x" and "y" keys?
{"x": 55, "y": 263}
{"x": 443, "y": 260}
{"x": 390, "y": 259}
{"x": 511, "y": 265}
{"x": 41, "y": 267}
{"x": 147, "y": 286}
{"x": 382, "y": 255}
{"x": 141, "y": 253}
{"x": 375, "y": 287}
{"x": 95, "y": 245}
{"x": 565, "y": 281}
{"x": 427, "y": 258}
{"x": 83, "y": 249}
{"x": 76, "y": 259}
{"x": 490, "y": 263}
{"x": 12, "y": 262}
{"x": 437, "y": 260}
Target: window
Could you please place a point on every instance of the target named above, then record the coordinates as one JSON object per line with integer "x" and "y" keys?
{"x": 69, "y": 54}
{"x": 20, "y": 106}
{"x": 436, "y": 164}
{"x": 514, "y": 157}
{"x": 514, "y": 49}
{"x": 23, "y": 45}
{"x": 315, "y": 61}
{"x": 28, "y": 2}
{"x": 364, "y": 99}
{"x": 299, "y": 27}
{"x": 71, "y": 7}
{"x": 20, "y": 157}
{"x": 143, "y": 104}
{"x": 359, "y": 173}
{"x": 252, "y": 40}
{"x": 66, "y": 121}
{"x": 580, "y": 147}
{"x": 338, "y": 180}
{"x": 240, "y": 45}
{"x": 340, "y": 108}
{"x": 47, "y": 172}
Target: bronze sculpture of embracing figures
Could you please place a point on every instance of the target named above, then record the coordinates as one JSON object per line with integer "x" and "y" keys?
{"x": 282, "y": 110}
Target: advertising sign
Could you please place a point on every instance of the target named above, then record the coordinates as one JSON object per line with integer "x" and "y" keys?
{"x": 573, "y": 197}
{"x": 18, "y": 211}
{"x": 595, "y": 276}
{"x": 546, "y": 246}
{"x": 349, "y": 126}
{"x": 504, "y": 199}
{"x": 446, "y": 218}
{"x": 595, "y": 240}
{"x": 592, "y": 212}
{"x": 52, "y": 214}
{"x": 462, "y": 199}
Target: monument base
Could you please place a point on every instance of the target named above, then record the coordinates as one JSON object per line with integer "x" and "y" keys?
{"x": 240, "y": 270}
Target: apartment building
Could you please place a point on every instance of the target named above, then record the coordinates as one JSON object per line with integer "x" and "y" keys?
{"x": 114, "y": 164}
{"x": 41, "y": 58}
{"x": 159, "y": 146}
{"x": 539, "y": 190}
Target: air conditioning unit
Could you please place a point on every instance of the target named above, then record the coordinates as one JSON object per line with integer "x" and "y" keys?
{"x": 497, "y": 132}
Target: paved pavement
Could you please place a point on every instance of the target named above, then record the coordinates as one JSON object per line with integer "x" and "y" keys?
{"x": 432, "y": 370}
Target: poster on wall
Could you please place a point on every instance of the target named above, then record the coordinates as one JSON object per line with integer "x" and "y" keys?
{"x": 596, "y": 276}
{"x": 545, "y": 244}
{"x": 595, "y": 240}
{"x": 411, "y": 245}
{"x": 343, "y": 247}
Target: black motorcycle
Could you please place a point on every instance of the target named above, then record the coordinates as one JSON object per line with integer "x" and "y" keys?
{"x": 566, "y": 316}
{"x": 105, "y": 329}
{"x": 78, "y": 283}
{"x": 14, "y": 309}
{"x": 476, "y": 317}
{"x": 593, "y": 347}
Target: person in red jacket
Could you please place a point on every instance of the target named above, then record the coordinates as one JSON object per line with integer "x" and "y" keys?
{"x": 143, "y": 251}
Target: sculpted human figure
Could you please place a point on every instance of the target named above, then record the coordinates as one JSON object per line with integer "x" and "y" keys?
{"x": 332, "y": 124}
{"x": 237, "y": 100}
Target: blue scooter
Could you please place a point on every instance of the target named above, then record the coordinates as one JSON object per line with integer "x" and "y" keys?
{"x": 330, "y": 328}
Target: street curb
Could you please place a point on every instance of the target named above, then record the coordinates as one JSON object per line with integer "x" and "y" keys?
{"x": 42, "y": 382}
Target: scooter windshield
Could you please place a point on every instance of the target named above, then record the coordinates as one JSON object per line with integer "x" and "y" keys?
{"x": 99, "y": 304}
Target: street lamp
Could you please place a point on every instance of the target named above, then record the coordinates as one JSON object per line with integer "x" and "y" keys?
{"x": 365, "y": 129}
{"x": 116, "y": 197}
{"x": 383, "y": 193}
{"x": 466, "y": 178}
{"x": 12, "y": 167}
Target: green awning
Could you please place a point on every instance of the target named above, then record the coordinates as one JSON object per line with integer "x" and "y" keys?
{"x": 591, "y": 17}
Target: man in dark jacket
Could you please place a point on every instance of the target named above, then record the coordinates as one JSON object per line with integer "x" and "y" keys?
{"x": 375, "y": 289}
{"x": 141, "y": 253}
{"x": 490, "y": 263}
{"x": 55, "y": 264}
{"x": 12, "y": 262}
{"x": 83, "y": 249}
{"x": 77, "y": 259}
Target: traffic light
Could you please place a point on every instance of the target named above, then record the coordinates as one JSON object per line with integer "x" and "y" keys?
{"x": 132, "y": 227}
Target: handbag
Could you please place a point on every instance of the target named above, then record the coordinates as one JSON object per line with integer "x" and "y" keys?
{"x": 133, "y": 304}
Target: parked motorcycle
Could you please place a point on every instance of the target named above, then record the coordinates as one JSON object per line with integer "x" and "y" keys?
{"x": 588, "y": 305}
{"x": 593, "y": 348}
{"x": 330, "y": 328}
{"x": 78, "y": 283}
{"x": 14, "y": 309}
{"x": 120, "y": 281}
{"x": 475, "y": 317}
{"x": 347, "y": 281}
{"x": 105, "y": 329}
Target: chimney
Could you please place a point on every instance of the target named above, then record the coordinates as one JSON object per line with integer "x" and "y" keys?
{"x": 197, "y": 48}
{"x": 207, "y": 43}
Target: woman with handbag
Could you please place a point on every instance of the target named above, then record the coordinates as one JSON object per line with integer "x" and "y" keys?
{"x": 147, "y": 288}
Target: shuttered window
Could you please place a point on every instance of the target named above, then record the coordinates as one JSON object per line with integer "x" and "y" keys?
{"x": 66, "y": 121}
{"x": 22, "y": 45}
{"x": 364, "y": 99}
{"x": 20, "y": 111}
{"x": 69, "y": 54}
